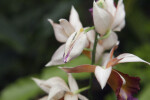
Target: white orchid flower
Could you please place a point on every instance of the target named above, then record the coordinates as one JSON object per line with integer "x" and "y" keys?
{"x": 103, "y": 72}
{"x": 62, "y": 32}
{"x": 72, "y": 34}
{"x": 57, "y": 89}
{"x": 75, "y": 45}
{"x": 102, "y": 45}
{"x": 108, "y": 17}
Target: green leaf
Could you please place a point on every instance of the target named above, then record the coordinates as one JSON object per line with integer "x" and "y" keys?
{"x": 145, "y": 93}
{"x": 110, "y": 96}
{"x": 22, "y": 89}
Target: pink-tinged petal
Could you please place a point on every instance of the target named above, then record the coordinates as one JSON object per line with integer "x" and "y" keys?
{"x": 82, "y": 97}
{"x": 74, "y": 19}
{"x": 127, "y": 57}
{"x": 57, "y": 57}
{"x": 109, "y": 42}
{"x": 131, "y": 87}
{"x": 72, "y": 83}
{"x": 60, "y": 34}
{"x": 68, "y": 28}
{"x": 110, "y": 6}
{"x": 69, "y": 96}
{"x": 57, "y": 92}
{"x": 74, "y": 46}
{"x": 102, "y": 19}
{"x": 119, "y": 18}
{"x": 102, "y": 75}
{"x": 79, "y": 69}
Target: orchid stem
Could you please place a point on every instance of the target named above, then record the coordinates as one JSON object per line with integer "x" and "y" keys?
{"x": 88, "y": 29}
{"x": 93, "y": 62}
{"x": 106, "y": 35}
{"x": 87, "y": 49}
{"x": 81, "y": 90}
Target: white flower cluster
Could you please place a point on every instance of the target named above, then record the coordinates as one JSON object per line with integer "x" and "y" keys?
{"x": 108, "y": 17}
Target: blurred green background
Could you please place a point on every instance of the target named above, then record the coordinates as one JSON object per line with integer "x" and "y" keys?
{"x": 27, "y": 43}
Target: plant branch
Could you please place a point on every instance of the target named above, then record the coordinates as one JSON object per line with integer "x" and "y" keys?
{"x": 93, "y": 62}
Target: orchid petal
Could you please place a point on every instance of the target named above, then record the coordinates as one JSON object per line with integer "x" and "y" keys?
{"x": 70, "y": 97}
{"x": 74, "y": 19}
{"x": 113, "y": 50}
{"x": 56, "y": 92}
{"x": 127, "y": 57}
{"x": 110, "y": 6}
{"x": 79, "y": 69}
{"x": 99, "y": 51}
{"x": 44, "y": 98}
{"x": 82, "y": 97}
{"x": 41, "y": 84}
{"x": 72, "y": 83}
{"x": 46, "y": 85}
{"x": 67, "y": 26}
{"x": 105, "y": 59}
{"x": 115, "y": 82}
{"x": 119, "y": 18}
{"x": 123, "y": 91}
{"x": 99, "y": 48}
{"x": 102, "y": 19}
{"x": 121, "y": 26}
{"x": 74, "y": 46}
{"x": 60, "y": 34}
{"x": 131, "y": 87}
{"x": 102, "y": 75}
{"x": 109, "y": 42}
{"x": 56, "y": 81}
{"x": 57, "y": 57}
{"x": 91, "y": 36}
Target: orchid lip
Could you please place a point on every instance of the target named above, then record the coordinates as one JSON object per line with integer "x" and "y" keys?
{"x": 66, "y": 58}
